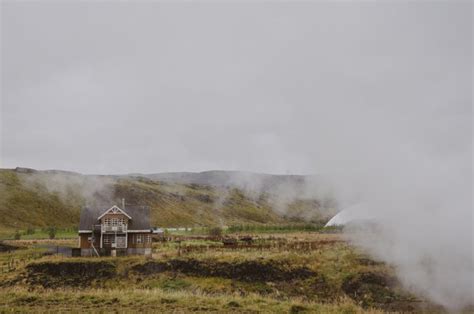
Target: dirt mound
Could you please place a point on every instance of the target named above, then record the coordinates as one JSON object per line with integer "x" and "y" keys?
{"x": 244, "y": 271}
{"x": 70, "y": 273}
{"x": 7, "y": 247}
{"x": 374, "y": 289}
{"x": 314, "y": 288}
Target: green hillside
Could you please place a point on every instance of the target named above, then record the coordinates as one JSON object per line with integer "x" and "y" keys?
{"x": 39, "y": 199}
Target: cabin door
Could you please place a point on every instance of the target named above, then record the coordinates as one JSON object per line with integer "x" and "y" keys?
{"x": 121, "y": 241}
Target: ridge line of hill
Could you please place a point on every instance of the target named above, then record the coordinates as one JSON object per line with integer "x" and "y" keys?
{"x": 41, "y": 198}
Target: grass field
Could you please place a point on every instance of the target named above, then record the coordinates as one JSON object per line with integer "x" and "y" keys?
{"x": 157, "y": 300}
{"x": 278, "y": 272}
{"x": 40, "y": 234}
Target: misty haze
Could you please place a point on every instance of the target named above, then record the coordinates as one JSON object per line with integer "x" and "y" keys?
{"x": 287, "y": 157}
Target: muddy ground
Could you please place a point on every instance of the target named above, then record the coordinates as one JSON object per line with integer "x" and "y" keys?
{"x": 7, "y": 247}
{"x": 66, "y": 274}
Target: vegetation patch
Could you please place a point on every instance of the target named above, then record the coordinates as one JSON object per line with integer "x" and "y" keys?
{"x": 245, "y": 271}
{"x": 173, "y": 284}
{"x": 298, "y": 309}
{"x": 7, "y": 247}
{"x": 233, "y": 304}
{"x": 278, "y": 228}
{"x": 26, "y": 300}
{"x": 373, "y": 289}
{"x": 317, "y": 287}
{"x": 329, "y": 278}
{"x": 68, "y": 273}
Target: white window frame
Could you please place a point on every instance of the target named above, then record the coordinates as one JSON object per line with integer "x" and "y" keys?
{"x": 108, "y": 239}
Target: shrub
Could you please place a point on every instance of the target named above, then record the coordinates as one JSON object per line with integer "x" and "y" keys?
{"x": 215, "y": 231}
{"x": 30, "y": 230}
{"x": 17, "y": 235}
{"x": 52, "y": 232}
{"x": 276, "y": 228}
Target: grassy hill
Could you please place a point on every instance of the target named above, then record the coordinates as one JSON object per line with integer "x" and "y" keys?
{"x": 30, "y": 198}
{"x": 240, "y": 179}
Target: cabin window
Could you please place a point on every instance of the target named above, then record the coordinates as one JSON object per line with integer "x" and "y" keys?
{"x": 139, "y": 238}
{"x": 148, "y": 238}
{"x": 107, "y": 221}
{"x": 109, "y": 239}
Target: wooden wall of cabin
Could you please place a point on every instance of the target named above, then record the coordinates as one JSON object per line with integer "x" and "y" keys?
{"x": 84, "y": 240}
{"x": 135, "y": 240}
{"x": 139, "y": 240}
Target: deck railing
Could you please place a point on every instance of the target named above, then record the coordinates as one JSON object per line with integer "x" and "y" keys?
{"x": 116, "y": 228}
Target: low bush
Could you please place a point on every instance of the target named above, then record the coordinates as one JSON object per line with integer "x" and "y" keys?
{"x": 215, "y": 232}
{"x": 275, "y": 228}
{"x": 52, "y": 232}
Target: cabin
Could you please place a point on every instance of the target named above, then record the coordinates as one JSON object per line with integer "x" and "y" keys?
{"x": 115, "y": 231}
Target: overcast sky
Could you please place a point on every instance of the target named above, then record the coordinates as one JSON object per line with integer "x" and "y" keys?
{"x": 267, "y": 87}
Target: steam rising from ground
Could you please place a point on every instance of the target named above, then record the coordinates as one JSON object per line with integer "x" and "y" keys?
{"x": 411, "y": 165}
{"x": 424, "y": 229}
{"x": 91, "y": 189}
{"x": 416, "y": 180}
{"x": 416, "y": 188}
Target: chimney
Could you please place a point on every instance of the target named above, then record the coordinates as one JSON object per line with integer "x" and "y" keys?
{"x": 123, "y": 203}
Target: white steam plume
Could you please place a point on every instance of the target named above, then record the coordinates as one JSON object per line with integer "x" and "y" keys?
{"x": 414, "y": 174}
{"x": 91, "y": 189}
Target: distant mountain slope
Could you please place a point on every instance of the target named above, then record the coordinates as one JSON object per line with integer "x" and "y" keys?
{"x": 239, "y": 179}
{"x": 25, "y": 203}
{"x": 30, "y": 198}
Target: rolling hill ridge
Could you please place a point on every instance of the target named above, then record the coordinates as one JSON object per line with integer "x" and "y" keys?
{"x": 32, "y": 198}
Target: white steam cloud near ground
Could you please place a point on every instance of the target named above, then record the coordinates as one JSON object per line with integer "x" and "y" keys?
{"x": 413, "y": 175}
{"x": 376, "y": 96}
{"x": 422, "y": 203}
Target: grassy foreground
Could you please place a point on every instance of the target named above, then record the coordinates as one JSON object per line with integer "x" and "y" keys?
{"x": 277, "y": 273}
{"x": 156, "y": 300}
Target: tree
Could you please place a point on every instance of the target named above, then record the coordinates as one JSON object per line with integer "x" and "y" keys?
{"x": 52, "y": 232}
{"x": 17, "y": 235}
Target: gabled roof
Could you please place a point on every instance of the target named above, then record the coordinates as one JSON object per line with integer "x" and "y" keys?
{"x": 114, "y": 210}
{"x": 140, "y": 217}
